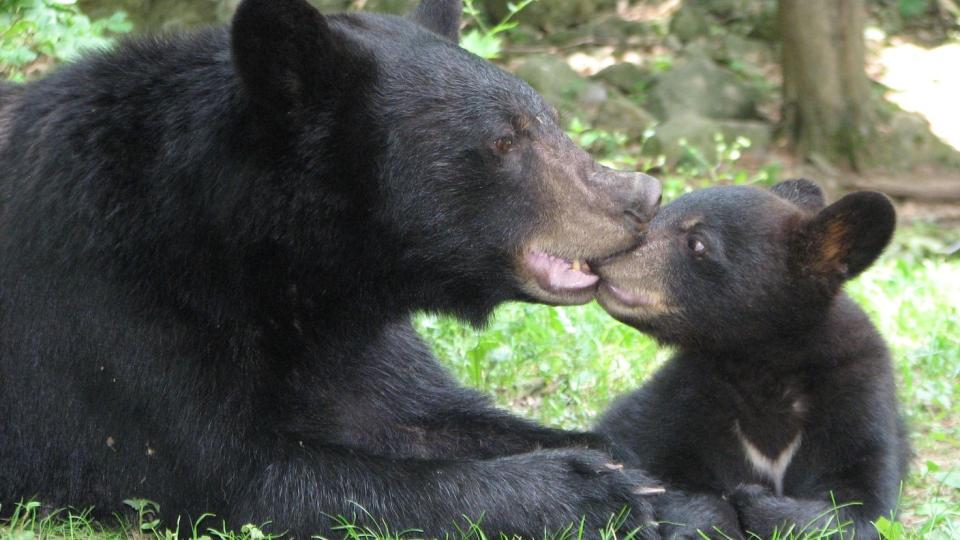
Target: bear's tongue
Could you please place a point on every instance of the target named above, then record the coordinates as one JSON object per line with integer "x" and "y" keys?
{"x": 558, "y": 274}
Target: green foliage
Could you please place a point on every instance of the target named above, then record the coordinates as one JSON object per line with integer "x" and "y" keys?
{"x": 147, "y": 510}
{"x": 27, "y": 522}
{"x": 487, "y": 41}
{"x": 24, "y": 516}
{"x": 38, "y": 32}
{"x": 661, "y": 64}
{"x": 695, "y": 169}
{"x": 696, "y": 164}
{"x": 722, "y": 167}
{"x": 909, "y": 9}
{"x": 890, "y": 530}
{"x": 613, "y": 148}
{"x": 348, "y": 529}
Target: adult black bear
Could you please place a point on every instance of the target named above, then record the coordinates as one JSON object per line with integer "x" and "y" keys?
{"x": 210, "y": 247}
{"x": 781, "y": 397}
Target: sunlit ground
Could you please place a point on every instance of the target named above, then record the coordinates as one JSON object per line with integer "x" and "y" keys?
{"x": 927, "y": 82}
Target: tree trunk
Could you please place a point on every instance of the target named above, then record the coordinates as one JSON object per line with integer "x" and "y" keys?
{"x": 827, "y": 108}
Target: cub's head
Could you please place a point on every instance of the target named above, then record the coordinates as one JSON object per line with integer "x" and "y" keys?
{"x": 454, "y": 172}
{"x": 726, "y": 265}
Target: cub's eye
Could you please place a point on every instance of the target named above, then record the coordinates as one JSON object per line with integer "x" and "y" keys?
{"x": 696, "y": 245}
{"x": 504, "y": 145}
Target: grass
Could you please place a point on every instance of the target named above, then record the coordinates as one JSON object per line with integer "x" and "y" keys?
{"x": 562, "y": 366}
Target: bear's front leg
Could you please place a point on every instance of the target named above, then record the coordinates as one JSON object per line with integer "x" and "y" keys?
{"x": 314, "y": 490}
{"x": 762, "y": 512}
{"x": 403, "y": 403}
{"x": 682, "y": 515}
{"x": 483, "y": 431}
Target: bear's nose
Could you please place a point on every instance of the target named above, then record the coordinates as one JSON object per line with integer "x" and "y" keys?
{"x": 632, "y": 194}
{"x": 644, "y": 200}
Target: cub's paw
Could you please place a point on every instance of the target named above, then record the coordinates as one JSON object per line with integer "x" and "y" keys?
{"x": 748, "y": 494}
{"x": 762, "y": 512}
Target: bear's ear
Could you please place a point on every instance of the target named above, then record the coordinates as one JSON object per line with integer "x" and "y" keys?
{"x": 846, "y": 237}
{"x": 439, "y": 16}
{"x": 286, "y": 53}
{"x": 802, "y": 192}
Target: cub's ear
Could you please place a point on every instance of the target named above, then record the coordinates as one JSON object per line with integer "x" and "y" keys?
{"x": 846, "y": 237}
{"x": 802, "y": 192}
{"x": 287, "y": 55}
{"x": 439, "y": 16}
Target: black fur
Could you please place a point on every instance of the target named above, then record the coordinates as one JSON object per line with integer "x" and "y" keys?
{"x": 441, "y": 16}
{"x": 210, "y": 247}
{"x": 769, "y": 348}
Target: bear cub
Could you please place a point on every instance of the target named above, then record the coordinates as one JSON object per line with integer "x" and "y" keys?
{"x": 778, "y": 410}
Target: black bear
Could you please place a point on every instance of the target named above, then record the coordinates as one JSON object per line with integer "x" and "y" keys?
{"x": 210, "y": 248}
{"x": 780, "y": 402}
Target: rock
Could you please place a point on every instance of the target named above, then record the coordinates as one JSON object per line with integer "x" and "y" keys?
{"x": 906, "y": 141}
{"x": 701, "y": 47}
{"x": 333, "y": 5}
{"x": 551, "y": 76}
{"x": 607, "y": 30}
{"x": 553, "y": 15}
{"x": 759, "y": 133}
{"x": 627, "y": 77}
{"x": 588, "y": 100}
{"x": 729, "y": 48}
{"x": 564, "y": 36}
{"x": 396, "y": 7}
{"x": 764, "y": 23}
{"x": 619, "y": 114}
{"x": 562, "y": 87}
{"x": 724, "y": 8}
{"x": 671, "y": 137}
{"x": 169, "y": 14}
{"x": 157, "y": 14}
{"x": 689, "y": 22}
{"x": 593, "y": 95}
{"x": 754, "y": 18}
{"x": 734, "y": 47}
{"x": 910, "y": 130}
{"x": 676, "y": 138}
{"x": 700, "y": 86}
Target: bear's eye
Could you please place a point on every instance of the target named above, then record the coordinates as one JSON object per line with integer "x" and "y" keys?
{"x": 504, "y": 145}
{"x": 696, "y": 245}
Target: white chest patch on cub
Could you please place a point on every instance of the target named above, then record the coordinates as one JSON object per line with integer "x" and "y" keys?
{"x": 771, "y": 469}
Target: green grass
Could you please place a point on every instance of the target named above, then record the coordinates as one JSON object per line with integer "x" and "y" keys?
{"x": 562, "y": 366}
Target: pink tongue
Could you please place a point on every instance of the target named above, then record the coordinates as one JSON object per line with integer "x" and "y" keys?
{"x": 556, "y": 274}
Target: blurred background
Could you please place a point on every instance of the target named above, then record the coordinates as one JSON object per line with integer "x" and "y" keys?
{"x": 856, "y": 94}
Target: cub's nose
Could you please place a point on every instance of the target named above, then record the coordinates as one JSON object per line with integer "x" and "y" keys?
{"x": 644, "y": 201}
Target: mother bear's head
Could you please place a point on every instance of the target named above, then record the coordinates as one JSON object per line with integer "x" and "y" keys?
{"x": 414, "y": 174}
